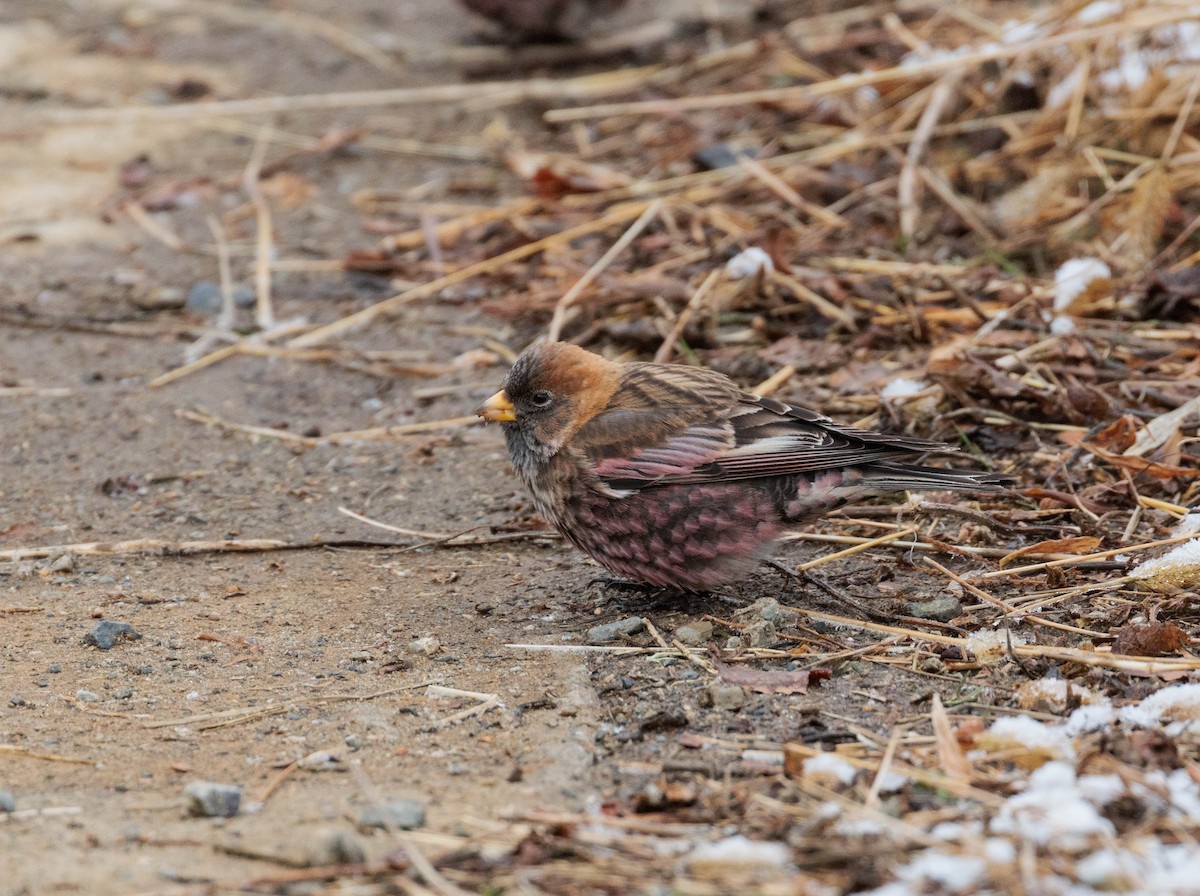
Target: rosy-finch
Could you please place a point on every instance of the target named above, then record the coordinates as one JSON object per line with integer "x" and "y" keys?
{"x": 674, "y": 476}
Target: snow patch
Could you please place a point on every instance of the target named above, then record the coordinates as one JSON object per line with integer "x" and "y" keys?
{"x": 1189, "y": 524}
{"x": 749, "y": 263}
{"x": 989, "y": 647}
{"x": 1062, "y": 325}
{"x": 1177, "y": 568}
{"x": 903, "y": 387}
{"x": 1099, "y": 11}
{"x": 740, "y": 850}
{"x": 830, "y": 766}
{"x": 950, "y": 873}
{"x": 1087, "y": 719}
{"x": 1053, "y": 810}
{"x": 1022, "y": 731}
{"x": 1073, "y": 277}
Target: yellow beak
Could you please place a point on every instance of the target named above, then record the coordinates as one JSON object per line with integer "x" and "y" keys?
{"x": 497, "y": 409}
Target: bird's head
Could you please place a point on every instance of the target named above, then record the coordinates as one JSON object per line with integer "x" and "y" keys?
{"x": 550, "y": 392}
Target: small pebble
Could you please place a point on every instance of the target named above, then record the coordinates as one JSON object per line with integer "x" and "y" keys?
{"x": 322, "y": 761}
{"x": 243, "y": 296}
{"x": 64, "y": 562}
{"x": 611, "y": 631}
{"x": 204, "y": 298}
{"x": 207, "y": 799}
{"x": 720, "y": 155}
{"x": 106, "y": 633}
{"x": 428, "y": 646}
{"x": 943, "y": 609}
{"x": 87, "y": 696}
{"x": 405, "y": 814}
{"x": 7, "y": 802}
{"x": 933, "y": 664}
{"x": 726, "y": 696}
{"x": 768, "y": 609}
{"x": 693, "y": 634}
{"x": 762, "y": 633}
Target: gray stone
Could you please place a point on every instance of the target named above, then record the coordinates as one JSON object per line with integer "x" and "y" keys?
{"x": 761, "y": 634}
{"x": 64, "y": 562}
{"x": 204, "y": 298}
{"x": 694, "y": 634}
{"x": 426, "y": 646}
{"x": 933, "y": 664}
{"x": 943, "y": 609}
{"x": 721, "y": 155}
{"x": 769, "y": 610}
{"x": 84, "y": 696}
{"x": 726, "y": 696}
{"x": 243, "y": 296}
{"x": 208, "y": 799}
{"x": 7, "y": 802}
{"x": 611, "y": 631}
{"x": 404, "y": 814}
{"x": 106, "y": 633}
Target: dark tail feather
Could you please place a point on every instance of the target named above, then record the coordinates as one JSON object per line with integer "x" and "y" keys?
{"x": 896, "y": 477}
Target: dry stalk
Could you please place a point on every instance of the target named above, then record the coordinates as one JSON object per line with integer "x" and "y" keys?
{"x": 1143, "y": 21}
{"x": 361, "y": 318}
{"x": 569, "y": 298}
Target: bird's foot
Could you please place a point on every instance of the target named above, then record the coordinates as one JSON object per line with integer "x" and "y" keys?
{"x": 623, "y": 586}
{"x": 643, "y": 597}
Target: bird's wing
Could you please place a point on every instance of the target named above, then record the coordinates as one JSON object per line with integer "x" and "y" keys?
{"x": 774, "y": 438}
{"x": 663, "y": 423}
{"x": 642, "y": 447}
{"x": 679, "y": 454}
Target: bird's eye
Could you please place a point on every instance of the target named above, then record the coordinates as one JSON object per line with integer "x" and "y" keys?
{"x": 541, "y": 399}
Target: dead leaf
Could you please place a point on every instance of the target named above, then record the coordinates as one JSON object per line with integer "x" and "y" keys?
{"x": 1057, "y": 497}
{"x": 1097, "y": 299}
{"x": 1118, "y": 435}
{"x": 1083, "y": 544}
{"x": 950, "y": 753}
{"x": 764, "y": 681}
{"x": 1140, "y": 464}
{"x": 1150, "y": 639}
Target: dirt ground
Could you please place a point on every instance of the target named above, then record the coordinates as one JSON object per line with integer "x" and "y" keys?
{"x": 343, "y": 666}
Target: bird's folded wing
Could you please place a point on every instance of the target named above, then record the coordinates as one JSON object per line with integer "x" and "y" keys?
{"x": 759, "y": 438}
{"x": 648, "y": 445}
